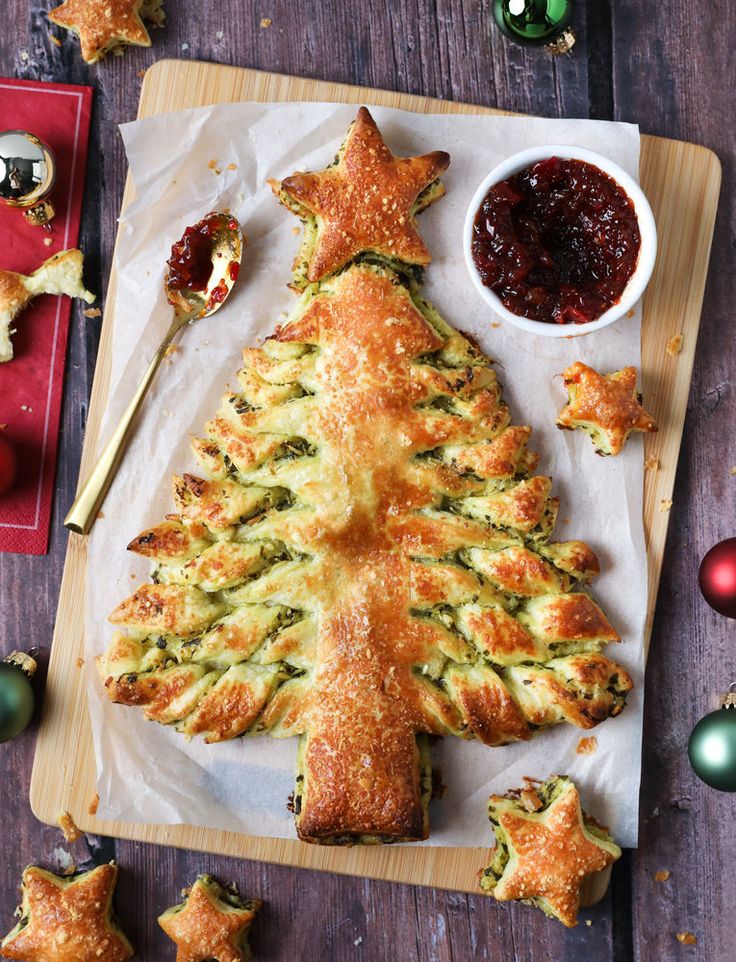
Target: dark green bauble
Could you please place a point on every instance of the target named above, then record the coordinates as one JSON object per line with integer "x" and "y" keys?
{"x": 712, "y": 749}
{"x": 16, "y": 700}
{"x": 536, "y": 23}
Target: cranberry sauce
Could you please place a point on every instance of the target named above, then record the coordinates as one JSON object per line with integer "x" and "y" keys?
{"x": 190, "y": 264}
{"x": 557, "y": 242}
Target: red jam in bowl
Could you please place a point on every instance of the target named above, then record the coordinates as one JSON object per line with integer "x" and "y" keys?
{"x": 557, "y": 242}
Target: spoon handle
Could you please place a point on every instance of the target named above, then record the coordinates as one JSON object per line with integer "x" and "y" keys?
{"x": 83, "y": 512}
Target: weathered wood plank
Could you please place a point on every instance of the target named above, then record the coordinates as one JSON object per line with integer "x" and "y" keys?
{"x": 674, "y": 72}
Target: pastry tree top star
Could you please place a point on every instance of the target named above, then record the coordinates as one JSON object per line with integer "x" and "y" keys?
{"x": 544, "y": 855}
{"x": 102, "y": 24}
{"x": 367, "y": 201}
{"x": 606, "y": 406}
{"x": 210, "y": 924}
{"x": 67, "y": 919}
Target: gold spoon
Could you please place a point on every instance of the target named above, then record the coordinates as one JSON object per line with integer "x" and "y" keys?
{"x": 202, "y": 269}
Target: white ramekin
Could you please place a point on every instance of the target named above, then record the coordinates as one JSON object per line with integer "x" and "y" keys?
{"x": 647, "y": 231}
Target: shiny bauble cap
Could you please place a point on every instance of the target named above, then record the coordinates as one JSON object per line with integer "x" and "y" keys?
{"x": 27, "y": 175}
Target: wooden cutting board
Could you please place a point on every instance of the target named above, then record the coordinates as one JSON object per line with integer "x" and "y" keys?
{"x": 682, "y": 182}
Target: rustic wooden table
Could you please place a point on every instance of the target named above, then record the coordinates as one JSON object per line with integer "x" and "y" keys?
{"x": 667, "y": 66}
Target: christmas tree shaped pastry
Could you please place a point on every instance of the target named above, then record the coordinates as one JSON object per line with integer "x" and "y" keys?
{"x": 364, "y": 561}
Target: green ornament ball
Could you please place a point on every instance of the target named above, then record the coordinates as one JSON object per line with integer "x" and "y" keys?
{"x": 16, "y": 700}
{"x": 712, "y": 749}
{"x": 535, "y": 23}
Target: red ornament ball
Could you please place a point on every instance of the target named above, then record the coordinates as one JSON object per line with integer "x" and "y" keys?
{"x": 718, "y": 577}
{"x": 8, "y": 464}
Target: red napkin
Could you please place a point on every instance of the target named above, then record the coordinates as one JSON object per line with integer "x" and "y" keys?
{"x": 31, "y": 385}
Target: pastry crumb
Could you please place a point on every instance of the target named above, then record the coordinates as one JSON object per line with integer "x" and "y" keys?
{"x": 92, "y": 312}
{"x": 587, "y": 746}
{"x": 589, "y": 922}
{"x": 94, "y": 804}
{"x": 665, "y": 505}
{"x": 80, "y": 661}
{"x": 99, "y": 515}
{"x": 651, "y": 464}
{"x": 296, "y": 230}
{"x": 68, "y": 829}
{"x": 48, "y": 241}
{"x": 630, "y": 312}
{"x": 662, "y": 875}
{"x": 232, "y": 166}
{"x": 495, "y": 324}
{"x": 530, "y": 800}
{"x": 358, "y": 940}
{"x": 674, "y": 345}
{"x": 567, "y": 520}
{"x": 732, "y": 471}
{"x": 266, "y": 23}
{"x": 141, "y": 74}
{"x": 687, "y": 938}
{"x": 171, "y": 350}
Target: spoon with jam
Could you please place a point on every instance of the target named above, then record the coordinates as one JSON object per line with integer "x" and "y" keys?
{"x": 202, "y": 270}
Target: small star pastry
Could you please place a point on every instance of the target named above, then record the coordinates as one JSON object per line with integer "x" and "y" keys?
{"x": 103, "y": 25}
{"x": 210, "y": 924}
{"x": 60, "y": 274}
{"x": 67, "y": 919}
{"x": 606, "y": 406}
{"x": 365, "y": 202}
{"x": 545, "y": 846}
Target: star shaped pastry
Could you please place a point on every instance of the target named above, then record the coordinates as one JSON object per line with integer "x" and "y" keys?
{"x": 67, "y": 919}
{"x": 102, "y": 24}
{"x": 606, "y": 406}
{"x": 545, "y": 847}
{"x": 210, "y": 924}
{"x": 365, "y": 202}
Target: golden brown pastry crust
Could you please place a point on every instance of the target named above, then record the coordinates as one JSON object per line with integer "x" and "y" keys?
{"x": 367, "y": 562}
{"x": 606, "y": 406}
{"x": 13, "y": 293}
{"x": 102, "y": 24}
{"x": 210, "y": 924}
{"x": 367, "y": 548}
{"x": 545, "y": 851}
{"x": 67, "y": 919}
{"x": 365, "y": 202}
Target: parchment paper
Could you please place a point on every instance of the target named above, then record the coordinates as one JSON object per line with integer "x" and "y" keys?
{"x": 148, "y": 773}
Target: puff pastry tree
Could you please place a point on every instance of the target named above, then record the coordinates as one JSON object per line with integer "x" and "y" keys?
{"x": 366, "y": 559}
